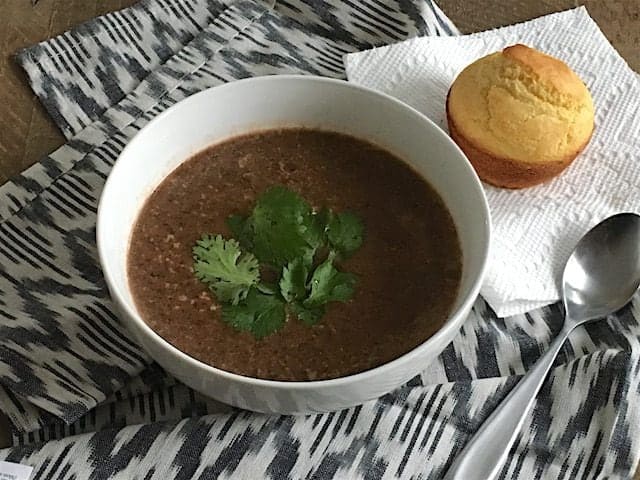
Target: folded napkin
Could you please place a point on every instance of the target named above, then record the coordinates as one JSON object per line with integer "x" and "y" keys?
{"x": 66, "y": 365}
{"x": 535, "y": 229}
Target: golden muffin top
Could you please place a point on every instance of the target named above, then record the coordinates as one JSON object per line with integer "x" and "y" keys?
{"x": 523, "y": 105}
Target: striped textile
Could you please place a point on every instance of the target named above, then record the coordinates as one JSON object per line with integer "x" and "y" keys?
{"x": 70, "y": 376}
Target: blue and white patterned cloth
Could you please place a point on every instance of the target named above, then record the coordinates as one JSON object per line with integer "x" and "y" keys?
{"x": 71, "y": 377}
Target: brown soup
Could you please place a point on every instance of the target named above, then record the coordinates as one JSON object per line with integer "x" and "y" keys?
{"x": 409, "y": 265}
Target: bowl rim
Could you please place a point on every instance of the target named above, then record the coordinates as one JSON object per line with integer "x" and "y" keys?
{"x": 454, "y": 319}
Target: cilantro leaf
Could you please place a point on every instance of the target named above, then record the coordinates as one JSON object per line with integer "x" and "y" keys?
{"x": 259, "y": 314}
{"x": 268, "y": 288}
{"x": 307, "y": 315}
{"x": 241, "y": 229}
{"x": 228, "y": 271}
{"x": 283, "y": 227}
{"x": 328, "y": 284}
{"x": 323, "y": 216}
{"x": 345, "y": 231}
{"x": 293, "y": 283}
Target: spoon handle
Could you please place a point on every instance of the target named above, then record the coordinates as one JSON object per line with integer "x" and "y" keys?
{"x": 485, "y": 453}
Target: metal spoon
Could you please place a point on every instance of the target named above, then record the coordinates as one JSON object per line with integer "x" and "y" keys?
{"x": 599, "y": 278}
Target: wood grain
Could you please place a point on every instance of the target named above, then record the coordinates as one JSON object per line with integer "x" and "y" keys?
{"x": 618, "y": 19}
{"x": 26, "y": 132}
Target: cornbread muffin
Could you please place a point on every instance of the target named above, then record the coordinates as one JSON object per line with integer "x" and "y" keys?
{"x": 520, "y": 116}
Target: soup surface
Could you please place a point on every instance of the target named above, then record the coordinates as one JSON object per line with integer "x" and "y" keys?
{"x": 408, "y": 267}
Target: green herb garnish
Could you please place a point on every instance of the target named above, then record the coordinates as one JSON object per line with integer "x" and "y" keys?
{"x": 329, "y": 285}
{"x": 225, "y": 268}
{"x": 344, "y": 232}
{"x": 293, "y": 283}
{"x": 260, "y": 314}
{"x": 284, "y": 235}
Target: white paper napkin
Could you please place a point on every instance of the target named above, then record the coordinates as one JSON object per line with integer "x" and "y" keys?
{"x": 535, "y": 229}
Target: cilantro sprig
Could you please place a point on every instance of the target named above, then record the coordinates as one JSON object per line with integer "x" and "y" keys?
{"x": 228, "y": 271}
{"x": 284, "y": 235}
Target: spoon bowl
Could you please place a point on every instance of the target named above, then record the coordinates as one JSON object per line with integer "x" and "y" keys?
{"x": 603, "y": 271}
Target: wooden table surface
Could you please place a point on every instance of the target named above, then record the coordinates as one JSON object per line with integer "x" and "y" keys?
{"x": 26, "y": 132}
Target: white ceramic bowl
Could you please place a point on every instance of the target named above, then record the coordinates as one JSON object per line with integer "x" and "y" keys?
{"x": 277, "y": 101}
